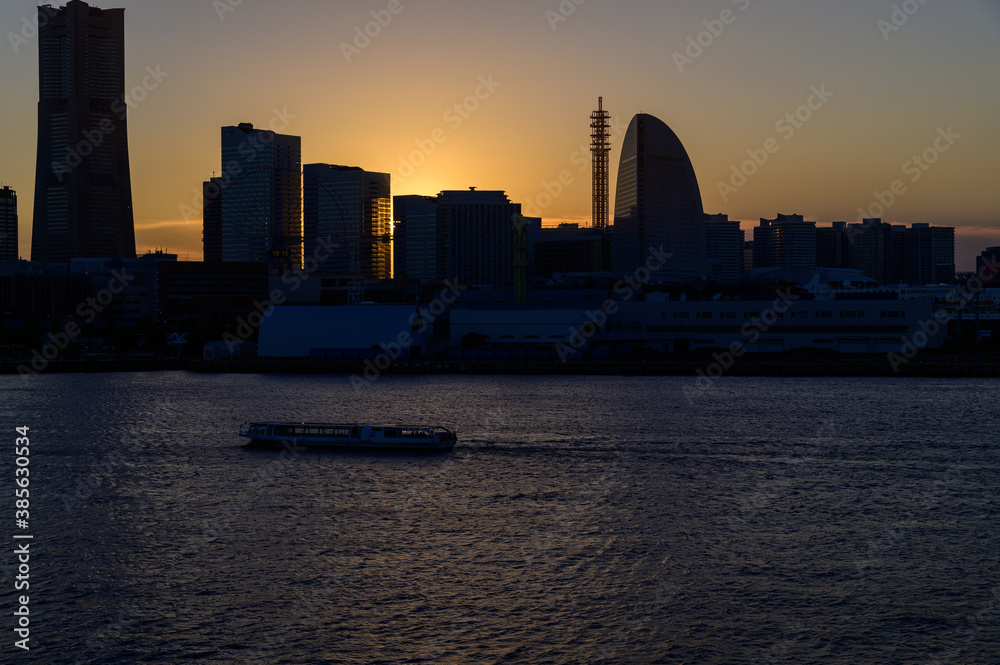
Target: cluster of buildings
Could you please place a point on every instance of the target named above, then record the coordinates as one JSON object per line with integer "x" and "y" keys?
{"x": 883, "y": 253}
{"x": 333, "y": 264}
{"x": 267, "y": 208}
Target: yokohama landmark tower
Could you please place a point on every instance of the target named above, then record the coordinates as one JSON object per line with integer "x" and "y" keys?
{"x": 83, "y": 188}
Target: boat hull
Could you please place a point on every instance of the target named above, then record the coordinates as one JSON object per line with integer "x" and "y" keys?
{"x": 351, "y": 437}
{"x": 352, "y": 445}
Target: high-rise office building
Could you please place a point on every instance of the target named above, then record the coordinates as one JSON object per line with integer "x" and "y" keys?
{"x": 478, "y": 236}
{"x": 212, "y": 219}
{"x": 870, "y": 249}
{"x": 417, "y": 247}
{"x": 658, "y": 204}
{"x": 723, "y": 249}
{"x": 568, "y": 248}
{"x": 83, "y": 187}
{"x": 930, "y": 254}
{"x": 832, "y": 245}
{"x": 896, "y": 268}
{"x": 348, "y": 207}
{"x": 261, "y": 196}
{"x": 8, "y": 224}
{"x": 788, "y": 241}
{"x": 747, "y": 256}
{"x": 462, "y": 235}
{"x": 988, "y": 265}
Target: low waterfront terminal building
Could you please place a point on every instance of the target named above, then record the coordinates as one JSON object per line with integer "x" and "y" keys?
{"x": 601, "y": 323}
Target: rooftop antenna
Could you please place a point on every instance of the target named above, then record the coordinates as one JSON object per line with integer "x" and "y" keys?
{"x": 600, "y": 147}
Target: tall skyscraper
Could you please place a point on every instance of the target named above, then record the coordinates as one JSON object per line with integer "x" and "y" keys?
{"x": 658, "y": 203}
{"x": 212, "y": 219}
{"x": 349, "y": 207}
{"x": 417, "y": 253}
{"x": 8, "y": 224}
{"x": 261, "y": 196}
{"x": 83, "y": 187}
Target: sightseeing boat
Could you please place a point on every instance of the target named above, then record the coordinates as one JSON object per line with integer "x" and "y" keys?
{"x": 374, "y": 437}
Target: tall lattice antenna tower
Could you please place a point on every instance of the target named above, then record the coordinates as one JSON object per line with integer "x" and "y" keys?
{"x": 600, "y": 146}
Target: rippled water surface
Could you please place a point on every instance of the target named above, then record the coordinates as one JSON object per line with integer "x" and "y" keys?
{"x": 580, "y": 520}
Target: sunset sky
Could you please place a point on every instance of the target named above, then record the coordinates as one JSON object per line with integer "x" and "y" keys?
{"x": 896, "y": 78}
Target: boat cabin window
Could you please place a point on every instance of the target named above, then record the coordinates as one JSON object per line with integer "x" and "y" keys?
{"x": 391, "y": 433}
{"x": 318, "y": 430}
{"x": 341, "y": 431}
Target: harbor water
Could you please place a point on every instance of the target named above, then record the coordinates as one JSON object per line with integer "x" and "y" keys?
{"x": 579, "y": 520}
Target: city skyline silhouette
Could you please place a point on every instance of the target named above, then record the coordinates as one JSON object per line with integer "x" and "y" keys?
{"x": 725, "y": 78}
